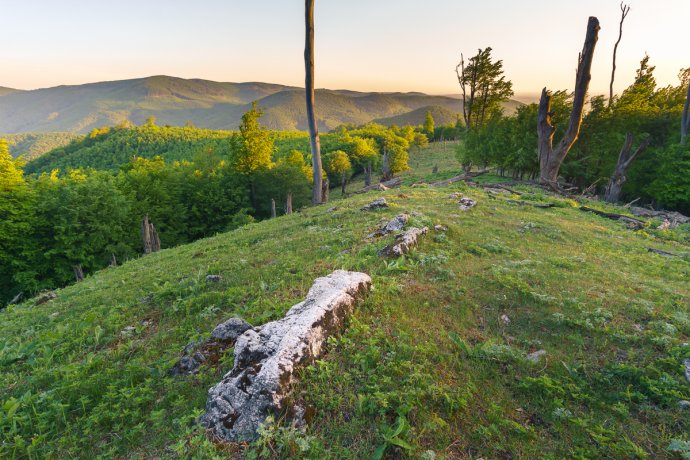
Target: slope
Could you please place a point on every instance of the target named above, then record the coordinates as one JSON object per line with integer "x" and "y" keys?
{"x": 432, "y": 365}
{"x": 34, "y": 145}
{"x": 441, "y": 116}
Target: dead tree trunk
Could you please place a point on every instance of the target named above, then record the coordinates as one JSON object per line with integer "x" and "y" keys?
{"x": 685, "y": 121}
{"x": 343, "y": 184}
{"x": 461, "y": 81}
{"x": 625, "y": 9}
{"x": 625, "y": 159}
{"x": 273, "y": 208}
{"x": 311, "y": 117}
{"x": 78, "y": 273}
{"x": 386, "y": 166}
{"x": 325, "y": 189}
{"x": 550, "y": 159}
{"x": 149, "y": 236}
{"x": 288, "y": 204}
{"x": 113, "y": 260}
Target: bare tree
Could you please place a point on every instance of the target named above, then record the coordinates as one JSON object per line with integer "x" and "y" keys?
{"x": 685, "y": 121}
{"x": 311, "y": 117}
{"x": 273, "y": 208}
{"x": 149, "y": 236}
{"x": 550, "y": 159}
{"x": 625, "y": 9}
{"x": 625, "y": 159}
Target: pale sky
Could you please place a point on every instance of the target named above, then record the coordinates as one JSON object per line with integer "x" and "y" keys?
{"x": 366, "y": 45}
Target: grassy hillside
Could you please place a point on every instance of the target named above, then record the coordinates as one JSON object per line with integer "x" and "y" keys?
{"x": 206, "y": 104}
{"x": 433, "y": 365}
{"x": 34, "y": 145}
{"x": 441, "y": 116}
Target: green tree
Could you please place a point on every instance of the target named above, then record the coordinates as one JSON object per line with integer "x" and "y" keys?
{"x": 338, "y": 164}
{"x": 255, "y": 147}
{"x": 484, "y": 88}
{"x": 429, "y": 125}
{"x": 16, "y": 204}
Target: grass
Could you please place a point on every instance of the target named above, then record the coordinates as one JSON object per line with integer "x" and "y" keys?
{"x": 429, "y": 367}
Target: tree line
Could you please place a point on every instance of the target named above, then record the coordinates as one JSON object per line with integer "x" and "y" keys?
{"x": 625, "y": 146}
{"x": 53, "y": 223}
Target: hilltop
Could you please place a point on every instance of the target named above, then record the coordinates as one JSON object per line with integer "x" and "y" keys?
{"x": 433, "y": 365}
{"x": 205, "y": 104}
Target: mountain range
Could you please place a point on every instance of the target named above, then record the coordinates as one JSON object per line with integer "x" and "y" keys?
{"x": 207, "y": 104}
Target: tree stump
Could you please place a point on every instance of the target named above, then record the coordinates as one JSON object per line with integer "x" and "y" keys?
{"x": 273, "y": 208}
{"x": 288, "y": 204}
{"x": 78, "y": 273}
{"x": 149, "y": 236}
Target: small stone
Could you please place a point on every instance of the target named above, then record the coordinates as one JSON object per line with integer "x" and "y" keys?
{"x": 46, "y": 297}
{"x": 683, "y": 404}
{"x": 213, "y": 278}
{"x": 505, "y": 319}
{"x": 455, "y": 196}
{"x": 334, "y": 208}
{"x": 638, "y": 328}
{"x": 128, "y": 331}
{"x": 687, "y": 369}
{"x": 466, "y": 204}
{"x": 376, "y": 204}
{"x": 440, "y": 228}
{"x": 536, "y": 356}
{"x": 230, "y": 330}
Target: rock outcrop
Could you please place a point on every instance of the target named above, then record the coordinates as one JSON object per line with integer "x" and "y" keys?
{"x": 267, "y": 357}
{"x": 404, "y": 242}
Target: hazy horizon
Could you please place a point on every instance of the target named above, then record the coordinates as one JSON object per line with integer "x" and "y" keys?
{"x": 395, "y": 47}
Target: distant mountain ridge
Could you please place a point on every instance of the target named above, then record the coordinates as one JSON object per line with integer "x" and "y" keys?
{"x": 203, "y": 103}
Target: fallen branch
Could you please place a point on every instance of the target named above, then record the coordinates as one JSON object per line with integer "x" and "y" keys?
{"x": 534, "y": 205}
{"x": 381, "y": 186}
{"x": 662, "y": 253}
{"x": 462, "y": 177}
{"x": 635, "y": 223}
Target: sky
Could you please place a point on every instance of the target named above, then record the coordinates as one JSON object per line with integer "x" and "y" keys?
{"x": 365, "y": 45}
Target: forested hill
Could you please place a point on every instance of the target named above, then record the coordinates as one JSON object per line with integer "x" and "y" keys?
{"x": 4, "y": 91}
{"x": 205, "y": 104}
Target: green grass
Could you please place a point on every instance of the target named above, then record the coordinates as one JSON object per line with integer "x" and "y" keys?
{"x": 427, "y": 368}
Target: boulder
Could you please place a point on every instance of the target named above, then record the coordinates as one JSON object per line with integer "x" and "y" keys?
{"x": 195, "y": 354}
{"x": 466, "y": 204}
{"x": 394, "y": 225}
{"x": 404, "y": 242}
{"x": 230, "y": 330}
{"x": 267, "y": 357}
{"x": 376, "y": 204}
